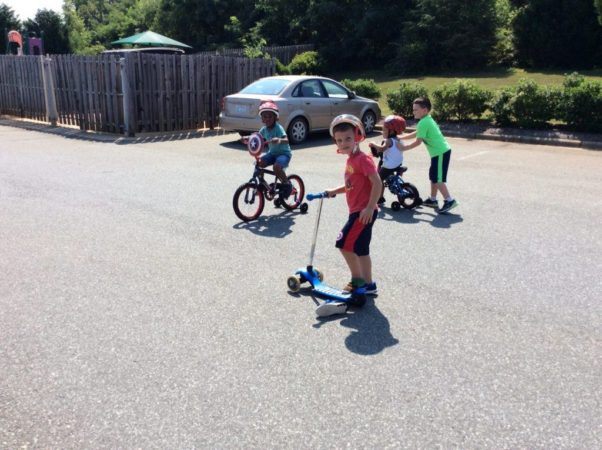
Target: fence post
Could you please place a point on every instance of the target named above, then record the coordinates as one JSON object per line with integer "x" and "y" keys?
{"x": 52, "y": 114}
{"x": 127, "y": 98}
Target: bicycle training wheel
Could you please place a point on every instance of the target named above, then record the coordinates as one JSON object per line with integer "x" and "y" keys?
{"x": 294, "y": 200}
{"x": 248, "y": 202}
{"x": 409, "y": 196}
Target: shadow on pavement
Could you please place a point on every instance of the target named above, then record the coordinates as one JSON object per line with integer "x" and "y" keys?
{"x": 420, "y": 214}
{"x": 275, "y": 226}
{"x": 370, "y": 332}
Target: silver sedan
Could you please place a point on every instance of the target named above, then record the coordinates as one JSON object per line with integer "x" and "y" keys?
{"x": 306, "y": 103}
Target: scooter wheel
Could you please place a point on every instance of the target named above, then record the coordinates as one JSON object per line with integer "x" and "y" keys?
{"x": 395, "y": 206}
{"x": 293, "y": 283}
{"x": 319, "y": 274}
{"x": 277, "y": 203}
{"x": 303, "y": 208}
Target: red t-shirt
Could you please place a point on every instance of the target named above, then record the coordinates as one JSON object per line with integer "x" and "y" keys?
{"x": 357, "y": 184}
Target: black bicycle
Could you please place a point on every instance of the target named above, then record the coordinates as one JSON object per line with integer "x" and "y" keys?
{"x": 249, "y": 198}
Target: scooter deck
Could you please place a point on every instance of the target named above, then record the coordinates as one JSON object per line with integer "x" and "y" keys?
{"x": 330, "y": 292}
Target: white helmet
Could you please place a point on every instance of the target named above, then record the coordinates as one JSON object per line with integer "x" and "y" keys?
{"x": 360, "y": 133}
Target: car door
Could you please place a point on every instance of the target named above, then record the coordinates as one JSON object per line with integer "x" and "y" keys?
{"x": 314, "y": 103}
{"x": 340, "y": 103}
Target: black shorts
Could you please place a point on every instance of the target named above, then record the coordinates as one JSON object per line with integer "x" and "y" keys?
{"x": 355, "y": 236}
{"x": 439, "y": 166}
{"x": 385, "y": 173}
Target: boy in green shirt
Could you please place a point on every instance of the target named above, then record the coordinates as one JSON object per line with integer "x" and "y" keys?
{"x": 428, "y": 132}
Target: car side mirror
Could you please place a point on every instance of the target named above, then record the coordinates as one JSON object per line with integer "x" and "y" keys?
{"x": 351, "y": 95}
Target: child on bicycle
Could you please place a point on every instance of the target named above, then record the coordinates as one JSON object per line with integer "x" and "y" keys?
{"x": 279, "y": 151}
{"x": 362, "y": 189}
{"x": 391, "y": 149}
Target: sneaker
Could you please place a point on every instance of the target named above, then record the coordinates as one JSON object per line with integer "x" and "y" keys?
{"x": 447, "y": 205}
{"x": 357, "y": 300}
{"x": 358, "y": 297}
{"x": 381, "y": 200}
{"x": 286, "y": 190}
{"x": 371, "y": 289}
{"x": 331, "y": 308}
{"x": 430, "y": 203}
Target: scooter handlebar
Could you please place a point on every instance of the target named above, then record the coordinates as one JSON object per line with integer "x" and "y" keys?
{"x": 311, "y": 197}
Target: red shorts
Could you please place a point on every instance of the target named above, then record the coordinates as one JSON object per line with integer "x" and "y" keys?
{"x": 355, "y": 236}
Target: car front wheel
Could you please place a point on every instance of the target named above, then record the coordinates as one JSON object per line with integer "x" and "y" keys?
{"x": 369, "y": 121}
{"x": 298, "y": 130}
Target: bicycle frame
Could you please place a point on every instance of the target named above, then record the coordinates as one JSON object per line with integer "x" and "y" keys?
{"x": 262, "y": 185}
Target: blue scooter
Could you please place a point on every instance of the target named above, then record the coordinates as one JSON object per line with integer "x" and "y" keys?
{"x": 311, "y": 275}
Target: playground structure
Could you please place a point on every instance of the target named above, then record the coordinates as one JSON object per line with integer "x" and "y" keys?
{"x": 17, "y": 45}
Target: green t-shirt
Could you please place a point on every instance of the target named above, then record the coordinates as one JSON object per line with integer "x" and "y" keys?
{"x": 428, "y": 130}
{"x": 276, "y": 131}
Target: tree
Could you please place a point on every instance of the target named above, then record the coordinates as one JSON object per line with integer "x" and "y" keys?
{"x": 448, "y": 35}
{"x": 8, "y": 21}
{"x": 558, "y": 33}
{"x": 49, "y": 25}
{"x": 80, "y": 38}
{"x": 201, "y": 24}
{"x": 268, "y": 20}
{"x": 598, "y": 4}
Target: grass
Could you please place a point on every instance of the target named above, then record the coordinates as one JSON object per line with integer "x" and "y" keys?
{"x": 491, "y": 79}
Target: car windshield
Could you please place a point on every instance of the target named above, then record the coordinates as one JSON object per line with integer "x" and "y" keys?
{"x": 269, "y": 86}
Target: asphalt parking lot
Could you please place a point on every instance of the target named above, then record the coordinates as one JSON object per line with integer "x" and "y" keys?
{"x": 138, "y": 311}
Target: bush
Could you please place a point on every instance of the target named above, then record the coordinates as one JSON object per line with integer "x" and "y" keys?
{"x": 461, "y": 100}
{"x": 305, "y": 63}
{"x": 500, "y": 106}
{"x": 363, "y": 87}
{"x": 534, "y": 105}
{"x": 581, "y": 105}
{"x": 282, "y": 69}
{"x": 400, "y": 100}
{"x": 527, "y": 104}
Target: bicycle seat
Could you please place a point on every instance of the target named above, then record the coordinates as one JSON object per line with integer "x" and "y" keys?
{"x": 401, "y": 169}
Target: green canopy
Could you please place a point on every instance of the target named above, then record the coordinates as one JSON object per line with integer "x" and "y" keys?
{"x": 150, "y": 38}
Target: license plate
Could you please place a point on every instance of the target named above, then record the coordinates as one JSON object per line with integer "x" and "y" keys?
{"x": 241, "y": 109}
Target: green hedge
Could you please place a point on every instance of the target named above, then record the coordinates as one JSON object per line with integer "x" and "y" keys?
{"x": 578, "y": 103}
{"x": 363, "y": 87}
{"x": 460, "y": 100}
{"x": 581, "y": 104}
{"x": 400, "y": 100}
{"x": 527, "y": 104}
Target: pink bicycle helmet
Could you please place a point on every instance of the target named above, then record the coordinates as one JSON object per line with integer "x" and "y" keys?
{"x": 269, "y": 106}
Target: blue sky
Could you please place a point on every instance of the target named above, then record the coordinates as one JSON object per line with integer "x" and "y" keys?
{"x": 26, "y": 9}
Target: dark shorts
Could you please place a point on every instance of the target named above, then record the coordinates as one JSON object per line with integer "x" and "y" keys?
{"x": 268, "y": 159}
{"x": 385, "y": 173}
{"x": 355, "y": 236}
{"x": 439, "y": 166}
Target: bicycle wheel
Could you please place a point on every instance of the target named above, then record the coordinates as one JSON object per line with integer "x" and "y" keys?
{"x": 294, "y": 200}
{"x": 409, "y": 196}
{"x": 248, "y": 202}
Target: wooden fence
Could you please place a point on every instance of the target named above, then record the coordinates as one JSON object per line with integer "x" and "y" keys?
{"x": 21, "y": 87}
{"x": 138, "y": 93}
{"x": 88, "y": 92}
